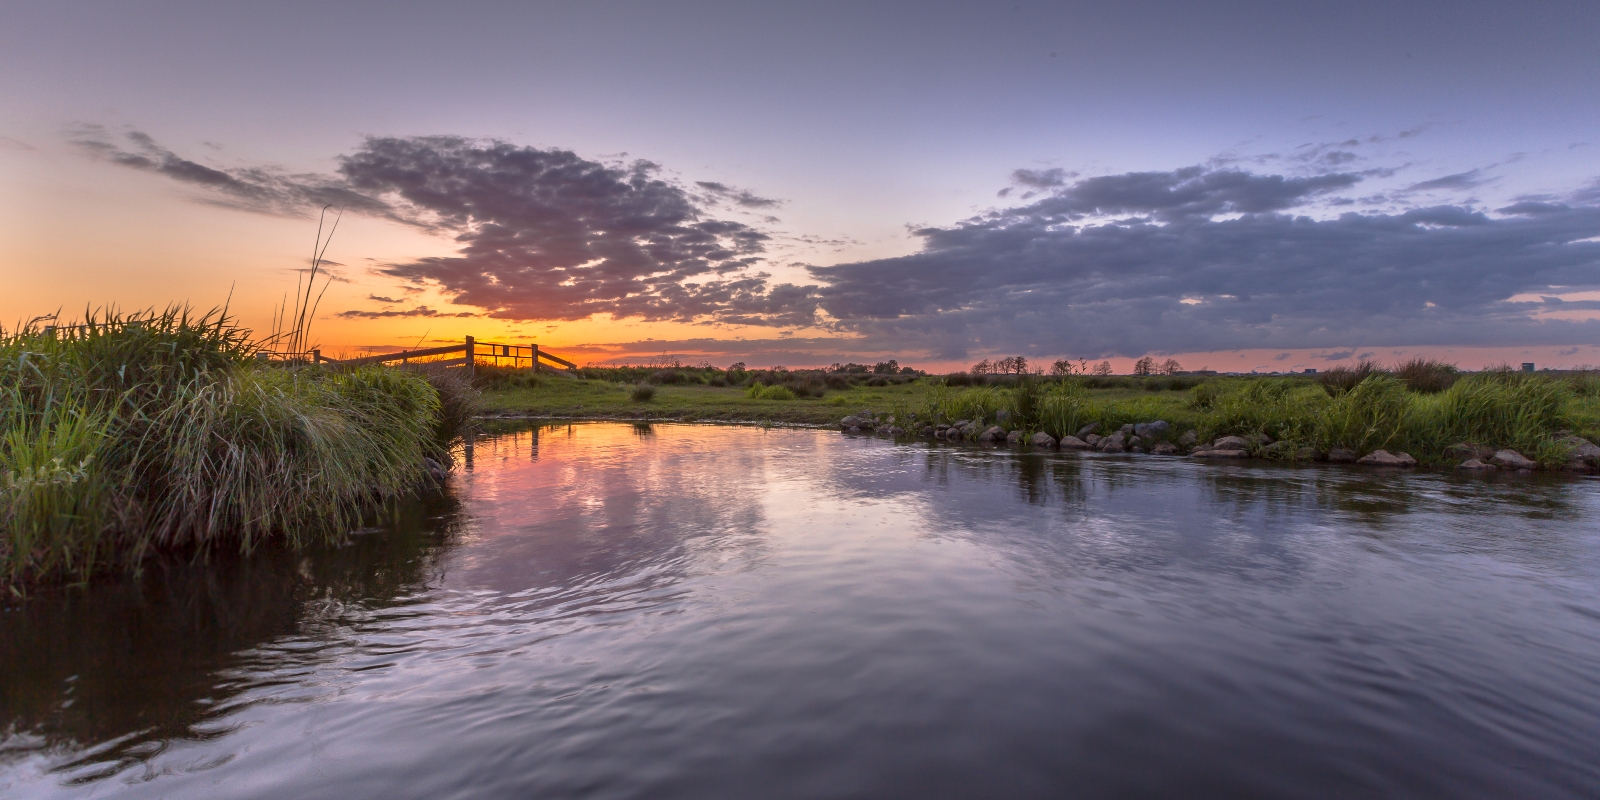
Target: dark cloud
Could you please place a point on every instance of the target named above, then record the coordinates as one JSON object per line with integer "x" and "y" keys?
{"x": 1179, "y": 275}
{"x": 382, "y": 299}
{"x": 419, "y": 311}
{"x": 1042, "y": 178}
{"x": 1339, "y": 356}
{"x": 543, "y": 234}
{"x": 252, "y": 188}
{"x": 1193, "y": 192}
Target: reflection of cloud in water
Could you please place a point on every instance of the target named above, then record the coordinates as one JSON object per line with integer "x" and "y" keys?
{"x": 1251, "y": 521}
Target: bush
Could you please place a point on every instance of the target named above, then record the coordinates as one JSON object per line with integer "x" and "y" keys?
{"x": 643, "y": 392}
{"x": 758, "y": 391}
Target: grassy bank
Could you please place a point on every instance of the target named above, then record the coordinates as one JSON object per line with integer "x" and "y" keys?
{"x": 1427, "y": 410}
{"x": 152, "y": 432}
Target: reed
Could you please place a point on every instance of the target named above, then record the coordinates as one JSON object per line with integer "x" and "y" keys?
{"x": 159, "y": 431}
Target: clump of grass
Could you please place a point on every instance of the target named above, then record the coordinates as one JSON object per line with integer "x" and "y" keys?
{"x": 1426, "y": 375}
{"x": 135, "y": 433}
{"x": 643, "y": 393}
{"x": 1342, "y": 379}
{"x": 760, "y": 391}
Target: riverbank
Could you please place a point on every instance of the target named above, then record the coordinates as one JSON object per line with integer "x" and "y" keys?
{"x": 1547, "y": 422}
{"x": 164, "y": 432}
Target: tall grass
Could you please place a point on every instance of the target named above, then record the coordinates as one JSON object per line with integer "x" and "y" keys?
{"x": 135, "y": 433}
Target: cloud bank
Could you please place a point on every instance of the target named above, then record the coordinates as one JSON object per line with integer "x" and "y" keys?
{"x": 1198, "y": 258}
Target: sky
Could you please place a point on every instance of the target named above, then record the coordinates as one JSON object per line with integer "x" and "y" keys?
{"x": 1237, "y": 185}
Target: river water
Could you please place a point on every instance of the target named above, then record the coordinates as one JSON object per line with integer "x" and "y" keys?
{"x": 628, "y": 611}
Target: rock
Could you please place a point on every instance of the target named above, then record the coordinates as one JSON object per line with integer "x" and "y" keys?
{"x": 1164, "y": 449}
{"x": 1384, "y": 458}
{"x": 1582, "y": 450}
{"x": 1074, "y": 443}
{"x": 1189, "y": 439}
{"x": 1230, "y": 443}
{"x": 1309, "y": 454}
{"x": 1134, "y": 441}
{"x": 1083, "y": 432}
{"x": 1138, "y": 450}
{"x": 1258, "y": 440}
{"x": 434, "y": 470}
{"x": 1126, "y": 430}
{"x": 851, "y": 421}
{"x": 1152, "y": 430}
{"x": 927, "y": 431}
{"x": 1093, "y": 439}
{"x": 1208, "y": 453}
{"x": 1468, "y": 452}
{"x": 995, "y": 433}
{"x": 1511, "y": 459}
{"x": 1475, "y": 464}
{"x": 1115, "y": 443}
{"x": 853, "y": 429}
{"x": 961, "y": 423}
{"x": 1342, "y": 455}
{"x": 1042, "y": 439}
{"x": 1014, "y": 437}
{"x": 894, "y": 430}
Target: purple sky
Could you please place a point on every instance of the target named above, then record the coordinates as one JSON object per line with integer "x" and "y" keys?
{"x": 938, "y": 181}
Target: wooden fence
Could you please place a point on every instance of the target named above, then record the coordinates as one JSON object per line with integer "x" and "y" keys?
{"x": 472, "y": 352}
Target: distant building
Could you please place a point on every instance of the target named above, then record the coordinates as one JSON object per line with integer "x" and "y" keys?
{"x": 1311, "y": 371}
{"x": 1527, "y": 366}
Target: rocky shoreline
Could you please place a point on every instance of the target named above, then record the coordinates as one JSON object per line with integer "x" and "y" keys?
{"x": 1156, "y": 438}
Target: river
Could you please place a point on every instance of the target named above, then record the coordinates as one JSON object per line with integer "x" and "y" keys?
{"x": 658, "y": 611}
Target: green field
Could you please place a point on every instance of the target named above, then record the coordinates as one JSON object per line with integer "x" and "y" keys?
{"x": 567, "y": 398}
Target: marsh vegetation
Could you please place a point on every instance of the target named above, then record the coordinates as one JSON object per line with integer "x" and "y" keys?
{"x": 131, "y": 434}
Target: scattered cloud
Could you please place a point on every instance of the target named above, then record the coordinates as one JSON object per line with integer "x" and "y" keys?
{"x": 1198, "y": 258}
{"x": 1460, "y": 180}
{"x": 382, "y": 299}
{"x": 419, "y": 311}
{"x": 741, "y": 197}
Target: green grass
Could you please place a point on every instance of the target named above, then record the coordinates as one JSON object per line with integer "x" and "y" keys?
{"x": 143, "y": 433}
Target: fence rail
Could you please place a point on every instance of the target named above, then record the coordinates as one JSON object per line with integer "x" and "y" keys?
{"x": 473, "y": 353}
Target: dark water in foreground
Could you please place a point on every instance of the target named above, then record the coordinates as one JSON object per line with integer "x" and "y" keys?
{"x": 682, "y": 611}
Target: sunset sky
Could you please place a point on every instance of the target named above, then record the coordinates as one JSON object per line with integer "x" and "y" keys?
{"x": 1238, "y": 185}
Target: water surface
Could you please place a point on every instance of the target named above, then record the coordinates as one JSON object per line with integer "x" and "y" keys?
{"x": 621, "y": 611}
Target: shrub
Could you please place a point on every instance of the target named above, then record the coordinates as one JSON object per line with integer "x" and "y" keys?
{"x": 643, "y": 392}
{"x": 668, "y": 376}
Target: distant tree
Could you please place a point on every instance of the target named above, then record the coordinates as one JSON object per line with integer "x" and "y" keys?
{"x": 889, "y": 367}
{"x": 1103, "y": 368}
{"x": 737, "y": 366}
{"x": 982, "y": 367}
{"x": 1171, "y": 367}
{"x": 1144, "y": 366}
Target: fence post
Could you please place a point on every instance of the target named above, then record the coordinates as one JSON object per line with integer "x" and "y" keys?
{"x": 535, "y": 349}
{"x": 316, "y": 357}
{"x": 471, "y": 358}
